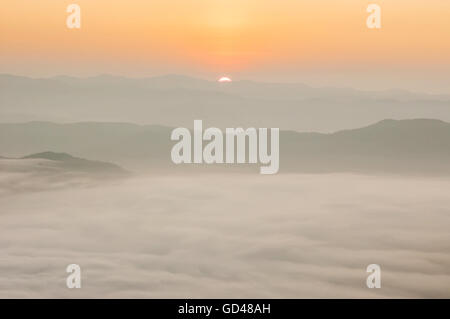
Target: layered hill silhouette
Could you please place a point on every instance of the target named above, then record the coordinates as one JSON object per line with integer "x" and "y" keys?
{"x": 50, "y": 171}
{"x": 175, "y": 100}
{"x": 72, "y": 163}
{"x": 60, "y": 162}
{"x": 419, "y": 146}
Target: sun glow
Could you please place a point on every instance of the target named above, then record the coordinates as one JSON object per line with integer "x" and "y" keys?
{"x": 225, "y": 79}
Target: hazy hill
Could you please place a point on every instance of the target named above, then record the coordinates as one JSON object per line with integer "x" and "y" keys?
{"x": 126, "y": 144}
{"x": 420, "y": 145}
{"x": 391, "y": 146}
{"x": 49, "y": 170}
{"x": 175, "y": 100}
{"x": 69, "y": 162}
{"x": 51, "y": 162}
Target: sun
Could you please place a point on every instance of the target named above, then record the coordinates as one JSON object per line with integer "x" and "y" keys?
{"x": 224, "y": 79}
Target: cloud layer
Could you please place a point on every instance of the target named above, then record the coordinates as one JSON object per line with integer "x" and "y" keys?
{"x": 287, "y": 236}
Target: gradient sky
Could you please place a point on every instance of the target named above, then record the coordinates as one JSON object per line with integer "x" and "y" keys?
{"x": 322, "y": 42}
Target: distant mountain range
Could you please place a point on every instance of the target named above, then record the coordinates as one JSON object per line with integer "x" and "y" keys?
{"x": 420, "y": 146}
{"x": 175, "y": 100}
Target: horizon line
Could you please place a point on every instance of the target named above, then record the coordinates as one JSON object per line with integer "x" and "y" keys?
{"x": 243, "y": 80}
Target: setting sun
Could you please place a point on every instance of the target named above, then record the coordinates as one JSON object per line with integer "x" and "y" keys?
{"x": 224, "y": 79}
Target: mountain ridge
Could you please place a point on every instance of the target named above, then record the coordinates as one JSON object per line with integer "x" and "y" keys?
{"x": 416, "y": 145}
{"x": 185, "y": 78}
{"x": 177, "y": 101}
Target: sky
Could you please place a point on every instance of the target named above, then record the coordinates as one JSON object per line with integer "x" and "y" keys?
{"x": 321, "y": 43}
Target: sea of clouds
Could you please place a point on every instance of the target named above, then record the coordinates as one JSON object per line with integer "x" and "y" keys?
{"x": 234, "y": 235}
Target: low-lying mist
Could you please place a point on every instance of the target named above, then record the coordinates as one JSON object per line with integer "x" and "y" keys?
{"x": 235, "y": 235}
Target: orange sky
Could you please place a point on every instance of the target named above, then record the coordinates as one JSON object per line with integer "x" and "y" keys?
{"x": 268, "y": 39}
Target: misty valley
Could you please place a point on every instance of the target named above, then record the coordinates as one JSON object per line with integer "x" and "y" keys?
{"x": 178, "y": 209}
